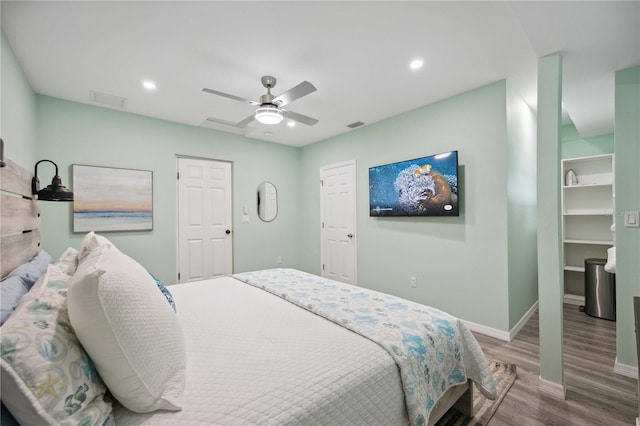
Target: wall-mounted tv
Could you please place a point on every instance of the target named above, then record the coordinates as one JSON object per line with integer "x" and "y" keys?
{"x": 426, "y": 186}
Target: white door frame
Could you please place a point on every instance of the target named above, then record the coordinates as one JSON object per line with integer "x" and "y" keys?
{"x": 177, "y": 221}
{"x": 351, "y": 163}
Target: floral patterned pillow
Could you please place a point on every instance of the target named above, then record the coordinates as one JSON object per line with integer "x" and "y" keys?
{"x": 68, "y": 261}
{"x": 165, "y": 291}
{"x": 46, "y": 375}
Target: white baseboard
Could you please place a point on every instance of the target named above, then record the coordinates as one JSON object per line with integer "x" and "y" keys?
{"x": 516, "y": 329}
{"x": 625, "y": 370}
{"x": 550, "y": 388}
{"x": 573, "y": 299}
{"x": 487, "y": 331}
{"x": 500, "y": 334}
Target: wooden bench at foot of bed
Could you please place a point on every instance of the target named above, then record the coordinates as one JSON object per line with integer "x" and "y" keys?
{"x": 458, "y": 397}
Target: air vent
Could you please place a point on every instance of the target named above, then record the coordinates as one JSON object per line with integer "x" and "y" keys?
{"x": 111, "y": 100}
{"x": 356, "y": 124}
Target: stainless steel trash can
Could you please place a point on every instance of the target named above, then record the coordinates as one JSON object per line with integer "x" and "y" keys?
{"x": 599, "y": 290}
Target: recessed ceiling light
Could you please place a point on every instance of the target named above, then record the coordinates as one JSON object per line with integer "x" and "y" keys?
{"x": 416, "y": 64}
{"x": 291, "y": 123}
{"x": 149, "y": 85}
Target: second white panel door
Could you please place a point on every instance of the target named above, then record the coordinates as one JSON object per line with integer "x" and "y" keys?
{"x": 338, "y": 222}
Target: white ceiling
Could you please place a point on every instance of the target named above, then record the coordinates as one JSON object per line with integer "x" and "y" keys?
{"x": 355, "y": 53}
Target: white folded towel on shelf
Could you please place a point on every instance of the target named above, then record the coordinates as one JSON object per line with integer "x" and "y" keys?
{"x": 610, "y": 266}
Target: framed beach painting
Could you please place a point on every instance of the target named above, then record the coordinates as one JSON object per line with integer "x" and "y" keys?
{"x": 112, "y": 199}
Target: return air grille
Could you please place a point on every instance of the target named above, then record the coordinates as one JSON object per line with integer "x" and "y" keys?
{"x": 111, "y": 100}
{"x": 356, "y": 124}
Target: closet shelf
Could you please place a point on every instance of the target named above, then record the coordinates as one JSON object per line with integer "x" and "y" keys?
{"x": 592, "y": 242}
{"x": 586, "y": 185}
{"x": 588, "y": 212}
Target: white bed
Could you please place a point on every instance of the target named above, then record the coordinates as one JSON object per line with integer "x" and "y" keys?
{"x": 253, "y": 358}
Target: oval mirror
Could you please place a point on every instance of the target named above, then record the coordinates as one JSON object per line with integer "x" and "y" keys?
{"x": 267, "y": 201}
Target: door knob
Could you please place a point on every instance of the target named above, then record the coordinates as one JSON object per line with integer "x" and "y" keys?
{"x": 350, "y": 235}
{"x": 227, "y": 231}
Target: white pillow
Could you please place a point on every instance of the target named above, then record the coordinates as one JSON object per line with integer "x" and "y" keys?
{"x": 129, "y": 330}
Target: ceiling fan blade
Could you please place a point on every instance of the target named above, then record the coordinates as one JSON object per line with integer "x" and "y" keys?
{"x": 297, "y": 92}
{"x": 246, "y": 121}
{"x": 226, "y": 95}
{"x": 299, "y": 117}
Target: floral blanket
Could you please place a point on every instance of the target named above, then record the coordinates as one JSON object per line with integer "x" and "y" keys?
{"x": 432, "y": 349}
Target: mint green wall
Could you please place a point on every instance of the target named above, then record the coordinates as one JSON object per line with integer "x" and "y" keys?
{"x": 574, "y": 146}
{"x": 71, "y": 133}
{"x": 627, "y": 159}
{"x": 460, "y": 263}
{"x": 17, "y": 121}
{"x": 521, "y": 206}
{"x": 550, "y": 279}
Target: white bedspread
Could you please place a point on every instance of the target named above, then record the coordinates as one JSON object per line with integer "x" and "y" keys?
{"x": 253, "y": 358}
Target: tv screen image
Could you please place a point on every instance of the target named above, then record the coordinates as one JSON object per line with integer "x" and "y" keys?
{"x": 426, "y": 186}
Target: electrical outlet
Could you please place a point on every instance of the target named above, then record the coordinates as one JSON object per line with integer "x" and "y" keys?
{"x": 413, "y": 282}
{"x": 279, "y": 259}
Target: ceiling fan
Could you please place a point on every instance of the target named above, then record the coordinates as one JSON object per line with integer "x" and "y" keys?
{"x": 270, "y": 109}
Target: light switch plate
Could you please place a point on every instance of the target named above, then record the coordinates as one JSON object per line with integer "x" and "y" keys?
{"x": 631, "y": 219}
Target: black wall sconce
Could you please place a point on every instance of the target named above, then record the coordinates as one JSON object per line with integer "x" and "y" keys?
{"x": 54, "y": 192}
{"x": 2, "y": 163}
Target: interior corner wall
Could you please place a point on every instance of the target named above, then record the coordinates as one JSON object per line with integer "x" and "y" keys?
{"x": 627, "y": 158}
{"x": 521, "y": 206}
{"x": 575, "y": 146}
{"x": 460, "y": 262}
{"x": 72, "y": 133}
{"x": 18, "y": 109}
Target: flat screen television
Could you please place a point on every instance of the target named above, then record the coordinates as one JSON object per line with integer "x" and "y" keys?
{"x": 426, "y": 186}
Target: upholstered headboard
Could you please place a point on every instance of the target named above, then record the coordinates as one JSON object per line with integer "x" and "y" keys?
{"x": 19, "y": 218}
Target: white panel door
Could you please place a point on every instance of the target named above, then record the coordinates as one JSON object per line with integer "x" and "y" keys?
{"x": 338, "y": 222}
{"x": 205, "y": 244}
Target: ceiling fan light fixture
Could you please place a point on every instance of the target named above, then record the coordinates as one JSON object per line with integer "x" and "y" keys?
{"x": 268, "y": 115}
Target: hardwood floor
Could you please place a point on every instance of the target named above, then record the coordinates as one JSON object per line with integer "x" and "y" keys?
{"x": 595, "y": 394}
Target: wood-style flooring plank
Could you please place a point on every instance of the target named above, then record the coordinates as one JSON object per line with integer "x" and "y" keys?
{"x": 596, "y": 395}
